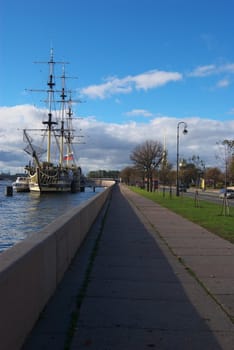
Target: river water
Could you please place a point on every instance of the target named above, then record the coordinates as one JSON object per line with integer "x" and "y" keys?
{"x": 27, "y": 213}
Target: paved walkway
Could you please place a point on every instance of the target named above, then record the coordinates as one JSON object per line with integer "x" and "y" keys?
{"x": 157, "y": 281}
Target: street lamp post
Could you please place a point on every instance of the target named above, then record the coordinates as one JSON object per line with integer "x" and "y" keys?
{"x": 177, "y": 154}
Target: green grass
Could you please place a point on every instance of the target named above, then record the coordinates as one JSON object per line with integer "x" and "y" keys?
{"x": 208, "y": 215}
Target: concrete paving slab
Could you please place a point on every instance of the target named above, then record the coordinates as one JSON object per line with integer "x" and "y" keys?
{"x": 131, "y": 261}
{"x": 227, "y": 300}
{"x": 214, "y": 266}
{"x": 111, "y": 248}
{"x": 134, "y": 273}
{"x": 205, "y": 242}
{"x": 187, "y": 242}
{"x": 135, "y": 289}
{"x": 147, "y": 313}
{"x": 204, "y": 251}
{"x": 143, "y": 339}
{"x": 220, "y": 285}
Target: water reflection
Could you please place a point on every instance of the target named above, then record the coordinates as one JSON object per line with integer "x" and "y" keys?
{"x": 26, "y": 213}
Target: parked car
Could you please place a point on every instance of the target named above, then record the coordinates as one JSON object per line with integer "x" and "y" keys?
{"x": 183, "y": 188}
{"x": 229, "y": 193}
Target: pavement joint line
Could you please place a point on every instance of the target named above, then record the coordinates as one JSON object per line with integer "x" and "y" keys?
{"x": 82, "y": 291}
{"x": 154, "y": 231}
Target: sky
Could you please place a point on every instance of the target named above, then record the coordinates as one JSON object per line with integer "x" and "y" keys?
{"x": 138, "y": 68}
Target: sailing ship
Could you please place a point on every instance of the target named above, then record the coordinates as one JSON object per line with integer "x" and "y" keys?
{"x": 52, "y": 167}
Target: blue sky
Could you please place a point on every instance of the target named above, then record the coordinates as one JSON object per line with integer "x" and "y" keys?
{"x": 142, "y": 66}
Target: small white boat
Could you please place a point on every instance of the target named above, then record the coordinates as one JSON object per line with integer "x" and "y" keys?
{"x": 21, "y": 184}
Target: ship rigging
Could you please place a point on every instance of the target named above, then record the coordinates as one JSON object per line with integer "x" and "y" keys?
{"x": 53, "y": 166}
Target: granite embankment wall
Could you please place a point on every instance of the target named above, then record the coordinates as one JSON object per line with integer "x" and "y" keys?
{"x": 31, "y": 270}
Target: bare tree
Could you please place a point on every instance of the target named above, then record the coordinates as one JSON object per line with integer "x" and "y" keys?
{"x": 199, "y": 168}
{"x": 227, "y": 155}
{"x": 165, "y": 171}
{"x": 214, "y": 176}
{"x": 146, "y": 158}
{"x": 229, "y": 144}
{"x": 231, "y": 170}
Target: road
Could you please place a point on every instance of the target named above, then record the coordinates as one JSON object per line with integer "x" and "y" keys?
{"x": 209, "y": 195}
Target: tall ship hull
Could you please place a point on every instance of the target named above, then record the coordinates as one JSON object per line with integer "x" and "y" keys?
{"x": 54, "y": 179}
{"x": 53, "y": 167}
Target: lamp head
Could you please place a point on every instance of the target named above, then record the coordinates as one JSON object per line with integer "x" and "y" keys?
{"x": 185, "y": 131}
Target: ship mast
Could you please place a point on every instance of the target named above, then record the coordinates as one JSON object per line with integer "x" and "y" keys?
{"x": 49, "y": 122}
{"x": 69, "y": 136}
{"x": 65, "y": 131}
{"x": 63, "y": 100}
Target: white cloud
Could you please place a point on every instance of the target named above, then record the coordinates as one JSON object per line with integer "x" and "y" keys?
{"x": 111, "y": 87}
{"x": 203, "y": 71}
{"x": 154, "y": 78}
{"x": 139, "y": 113}
{"x": 231, "y": 111}
{"x": 212, "y": 69}
{"x": 111, "y": 144}
{"x": 144, "y": 81}
{"x": 229, "y": 68}
{"x": 223, "y": 83}
{"x": 108, "y": 145}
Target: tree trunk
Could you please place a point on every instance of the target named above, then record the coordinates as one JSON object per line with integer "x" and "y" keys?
{"x": 148, "y": 183}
